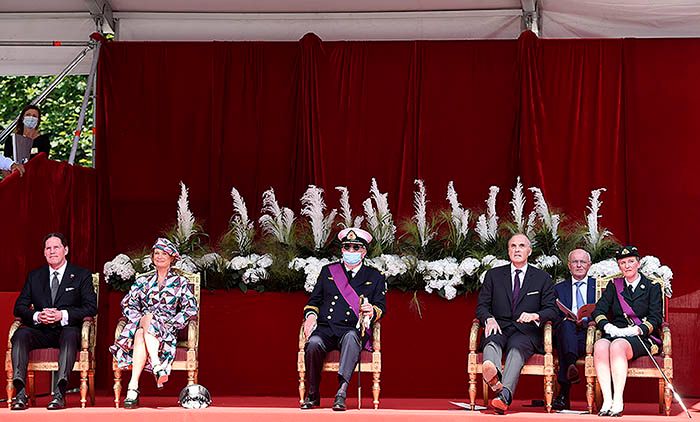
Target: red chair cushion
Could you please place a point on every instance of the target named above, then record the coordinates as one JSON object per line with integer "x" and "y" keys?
{"x": 47, "y": 355}
{"x": 643, "y": 362}
{"x": 334, "y": 356}
{"x": 535, "y": 359}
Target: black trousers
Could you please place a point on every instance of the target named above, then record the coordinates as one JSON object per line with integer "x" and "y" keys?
{"x": 26, "y": 339}
{"x": 571, "y": 345}
{"x": 321, "y": 342}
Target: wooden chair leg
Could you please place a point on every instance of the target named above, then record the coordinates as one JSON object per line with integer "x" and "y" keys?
{"x": 590, "y": 395}
{"x": 117, "y": 386}
{"x": 196, "y": 376}
{"x": 375, "y": 388}
{"x": 472, "y": 390}
{"x": 190, "y": 377}
{"x": 598, "y": 395}
{"x": 302, "y": 386}
{"x": 9, "y": 388}
{"x": 485, "y": 392}
{"x": 668, "y": 398}
{"x": 83, "y": 388}
{"x": 662, "y": 387}
{"x": 91, "y": 386}
{"x": 32, "y": 394}
{"x": 548, "y": 393}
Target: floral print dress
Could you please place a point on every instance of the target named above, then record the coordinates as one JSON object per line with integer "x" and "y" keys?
{"x": 172, "y": 306}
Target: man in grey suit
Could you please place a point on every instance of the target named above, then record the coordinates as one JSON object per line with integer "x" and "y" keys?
{"x": 514, "y": 301}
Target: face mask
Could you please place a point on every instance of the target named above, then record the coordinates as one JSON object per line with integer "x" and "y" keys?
{"x": 30, "y": 122}
{"x": 352, "y": 258}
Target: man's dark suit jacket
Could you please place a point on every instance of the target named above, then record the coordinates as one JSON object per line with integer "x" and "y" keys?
{"x": 536, "y": 296}
{"x": 563, "y": 292}
{"x": 75, "y": 295}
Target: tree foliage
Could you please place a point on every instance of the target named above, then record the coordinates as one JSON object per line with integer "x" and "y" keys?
{"x": 59, "y": 112}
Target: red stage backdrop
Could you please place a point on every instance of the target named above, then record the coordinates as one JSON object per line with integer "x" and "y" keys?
{"x": 566, "y": 115}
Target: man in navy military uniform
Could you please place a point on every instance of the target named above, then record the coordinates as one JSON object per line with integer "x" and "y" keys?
{"x": 574, "y": 292}
{"x": 333, "y": 314}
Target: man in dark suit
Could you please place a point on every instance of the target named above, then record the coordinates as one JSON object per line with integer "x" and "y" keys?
{"x": 334, "y": 316}
{"x": 514, "y": 301}
{"x": 574, "y": 292}
{"x": 53, "y": 302}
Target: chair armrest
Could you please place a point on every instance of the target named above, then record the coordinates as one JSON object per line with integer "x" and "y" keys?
{"x": 474, "y": 335}
{"x": 120, "y": 327}
{"x": 15, "y": 325}
{"x": 590, "y": 338}
{"x": 548, "y": 337}
{"x": 377, "y": 337}
{"x": 302, "y": 337}
{"x": 666, "y": 338}
{"x": 85, "y": 333}
{"x": 193, "y": 333}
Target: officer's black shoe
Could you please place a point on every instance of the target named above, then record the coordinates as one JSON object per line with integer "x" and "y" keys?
{"x": 339, "y": 403}
{"x": 58, "y": 402}
{"x": 310, "y": 403}
{"x": 20, "y": 401}
{"x": 561, "y": 402}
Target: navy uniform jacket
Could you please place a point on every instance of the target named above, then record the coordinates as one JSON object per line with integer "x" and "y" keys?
{"x": 75, "y": 295}
{"x": 536, "y": 296}
{"x": 646, "y": 303}
{"x": 563, "y": 292}
{"x": 334, "y": 313}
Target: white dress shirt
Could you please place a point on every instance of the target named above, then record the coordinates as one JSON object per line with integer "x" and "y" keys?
{"x": 584, "y": 292}
{"x": 60, "y": 270}
{"x": 634, "y": 283}
{"x": 5, "y": 163}
{"x": 512, "y": 275}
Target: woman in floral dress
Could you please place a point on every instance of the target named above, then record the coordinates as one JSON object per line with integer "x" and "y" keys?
{"x": 156, "y": 308}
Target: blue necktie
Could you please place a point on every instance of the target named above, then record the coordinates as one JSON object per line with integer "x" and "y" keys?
{"x": 579, "y": 297}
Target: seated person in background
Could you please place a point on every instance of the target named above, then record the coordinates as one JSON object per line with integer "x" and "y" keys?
{"x": 6, "y": 164}
{"x": 514, "y": 301}
{"x": 28, "y": 126}
{"x": 333, "y": 311}
{"x": 574, "y": 292}
{"x": 638, "y": 298}
{"x": 53, "y": 302}
{"x": 156, "y": 308}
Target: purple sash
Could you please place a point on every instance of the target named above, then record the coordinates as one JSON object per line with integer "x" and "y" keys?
{"x": 350, "y": 296}
{"x": 627, "y": 309}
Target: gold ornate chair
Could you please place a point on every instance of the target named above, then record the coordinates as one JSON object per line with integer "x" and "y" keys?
{"x": 542, "y": 365}
{"x": 638, "y": 368}
{"x": 371, "y": 362}
{"x": 47, "y": 359}
{"x": 187, "y": 352}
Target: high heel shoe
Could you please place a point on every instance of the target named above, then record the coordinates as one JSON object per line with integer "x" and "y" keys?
{"x": 131, "y": 403}
{"x": 160, "y": 375}
{"x": 616, "y": 411}
{"x": 605, "y": 410}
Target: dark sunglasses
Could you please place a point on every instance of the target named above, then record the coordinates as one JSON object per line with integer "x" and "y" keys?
{"x": 352, "y": 246}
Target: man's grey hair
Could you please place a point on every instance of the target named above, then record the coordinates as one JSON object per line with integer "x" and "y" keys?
{"x": 579, "y": 249}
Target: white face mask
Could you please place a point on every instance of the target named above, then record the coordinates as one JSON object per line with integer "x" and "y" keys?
{"x": 30, "y": 122}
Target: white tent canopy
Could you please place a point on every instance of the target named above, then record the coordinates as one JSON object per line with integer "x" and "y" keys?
{"x": 25, "y": 22}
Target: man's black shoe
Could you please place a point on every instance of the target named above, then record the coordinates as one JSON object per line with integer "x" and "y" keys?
{"x": 58, "y": 402}
{"x": 310, "y": 403}
{"x": 20, "y": 401}
{"x": 561, "y": 402}
{"x": 339, "y": 403}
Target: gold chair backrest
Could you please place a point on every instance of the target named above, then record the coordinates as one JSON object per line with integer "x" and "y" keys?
{"x": 93, "y": 335}
{"x": 602, "y": 282}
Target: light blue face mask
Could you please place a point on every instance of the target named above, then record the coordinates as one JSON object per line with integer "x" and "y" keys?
{"x": 352, "y": 258}
{"x": 30, "y": 122}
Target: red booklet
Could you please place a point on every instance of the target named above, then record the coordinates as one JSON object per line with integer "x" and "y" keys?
{"x": 584, "y": 311}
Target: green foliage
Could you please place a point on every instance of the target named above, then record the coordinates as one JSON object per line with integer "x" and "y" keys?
{"x": 59, "y": 112}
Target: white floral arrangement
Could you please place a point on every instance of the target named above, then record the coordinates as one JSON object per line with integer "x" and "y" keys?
{"x": 488, "y": 262}
{"x": 391, "y": 265}
{"x": 120, "y": 267}
{"x": 253, "y": 266}
{"x": 446, "y": 274}
{"x": 311, "y": 266}
{"x": 650, "y": 266}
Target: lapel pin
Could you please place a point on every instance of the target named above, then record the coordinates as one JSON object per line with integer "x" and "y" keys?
{"x": 641, "y": 287}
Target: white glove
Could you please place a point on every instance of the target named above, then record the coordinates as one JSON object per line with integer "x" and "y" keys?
{"x": 631, "y": 331}
{"x": 613, "y": 331}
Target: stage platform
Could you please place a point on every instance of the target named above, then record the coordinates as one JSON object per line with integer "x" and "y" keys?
{"x": 261, "y": 409}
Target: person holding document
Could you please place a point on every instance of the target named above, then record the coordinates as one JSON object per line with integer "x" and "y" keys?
{"x": 28, "y": 127}
{"x": 574, "y": 293}
{"x": 635, "y": 297}
{"x": 333, "y": 314}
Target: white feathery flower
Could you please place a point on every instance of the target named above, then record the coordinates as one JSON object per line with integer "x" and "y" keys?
{"x": 420, "y": 202}
{"x": 518, "y": 203}
{"x": 492, "y": 218}
{"x": 595, "y": 235}
{"x": 482, "y": 228}
{"x": 185, "y": 218}
{"x": 550, "y": 221}
{"x": 345, "y": 210}
{"x": 530, "y": 231}
{"x": 380, "y": 221}
{"x": 241, "y": 225}
{"x": 275, "y": 220}
{"x": 313, "y": 208}
{"x": 459, "y": 216}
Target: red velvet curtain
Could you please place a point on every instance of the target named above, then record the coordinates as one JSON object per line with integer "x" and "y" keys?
{"x": 568, "y": 116}
{"x": 50, "y": 197}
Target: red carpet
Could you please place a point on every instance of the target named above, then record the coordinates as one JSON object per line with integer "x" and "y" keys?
{"x": 262, "y": 409}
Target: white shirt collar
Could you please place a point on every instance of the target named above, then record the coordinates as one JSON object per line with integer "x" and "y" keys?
{"x": 635, "y": 283}
{"x": 522, "y": 274}
{"x": 585, "y": 280}
{"x": 354, "y": 271}
{"x": 60, "y": 270}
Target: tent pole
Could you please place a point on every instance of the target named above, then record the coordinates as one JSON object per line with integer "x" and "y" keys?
{"x": 86, "y": 97}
